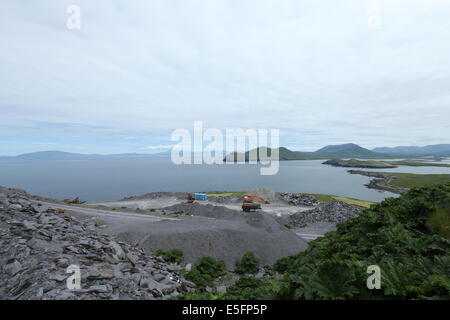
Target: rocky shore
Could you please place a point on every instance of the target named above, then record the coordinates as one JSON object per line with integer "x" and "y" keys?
{"x": 37, "y": 247}
{"x": 381, "y": 181}
{"x": 353, "y": 163}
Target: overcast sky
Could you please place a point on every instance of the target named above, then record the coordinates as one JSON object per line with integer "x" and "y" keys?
{"x": 323, "y": 72}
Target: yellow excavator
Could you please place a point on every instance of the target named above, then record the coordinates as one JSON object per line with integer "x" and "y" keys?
{"x": 248, "y": 204}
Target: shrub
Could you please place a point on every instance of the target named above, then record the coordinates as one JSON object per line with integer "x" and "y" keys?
{"x": 205, "y": 271}
{"x": 248, "y": 264}
{"x": 210, "y": 266}
{"x": 251, "y": 288}
{"x": 284, "y": 264}
{"x": 405, "y": 236}
{"x": 200, "y": 279}
{"x": 171, "y": 255}
{"x": 439, "y": 222}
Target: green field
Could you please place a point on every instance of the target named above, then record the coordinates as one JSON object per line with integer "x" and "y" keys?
{"x": 411, "y": 180}
{"x": 382, "y": 164}
{"x": 353, "y": 163}
{"x": 415, "y": 163}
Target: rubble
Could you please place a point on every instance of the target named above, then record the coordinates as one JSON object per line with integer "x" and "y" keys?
{"x": 299, "y": 199}
{"x": 335, "y": 211}
{"x": 38, "y": 247}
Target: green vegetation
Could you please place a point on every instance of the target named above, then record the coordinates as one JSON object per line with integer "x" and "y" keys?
{"x": 205, "y": 271}
{"x": 410, "y": 180}
{"x": 251, "y": 288}
{"x": 415, "y": 261}
{"x": 359, "y": 163}
{"x": 340, "y": 151}
{"x": 353, "y": 163}
{"x": 407, "y": 237}
{"x": 246, "y": 288}
{"x": 415, "y": 163}
{"x": 330, "y": 198}
{"x": 248, "y": 264}
{"x": 439, "y": 222}
{"x": 171, "y": 255}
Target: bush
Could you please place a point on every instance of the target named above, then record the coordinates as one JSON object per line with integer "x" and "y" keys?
{"x": 210, "y": 266}
{"x": 251, "y": 288}
{"x": 200, "y": 279}
{"x": 439, "y": 222}
{"x": 171, "y": 255}
{"x": 405, "y": 236}
{"x": 248, "y": 264}
{"x": 205, "y": 271}
{"x": 284, "y": 264}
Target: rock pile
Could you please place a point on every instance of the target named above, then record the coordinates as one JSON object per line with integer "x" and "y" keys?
{"x": 37, "y": 247}
{"x": 336, "y": 211}
{"x": 204, "y": 210}
{"x": 299, "y": 199}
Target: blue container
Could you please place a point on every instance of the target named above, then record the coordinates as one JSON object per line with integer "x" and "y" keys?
{"x": 200, "y": 196}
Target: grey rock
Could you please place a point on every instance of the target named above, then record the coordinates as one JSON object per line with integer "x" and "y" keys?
{"x": 64, "y": 295}
{"x": 119, "y": 254}
{"x": 77, "y": 228}
{"x": 133, "y": 258}
{"x": 15, "y": 207}
{"x": 57, "y": 277}
{"x": 336, "y": 211}
{"x": 29, "y": 225}
{"x": 221, "y": 289}
{"x": 99, "y": 289}
{"x": 158, "y": 277}
{"x": 40, "y": 293}
{"x": 12, "y": 268}
{"x": 37, "y": 247}
{"x": 299, "y": 199}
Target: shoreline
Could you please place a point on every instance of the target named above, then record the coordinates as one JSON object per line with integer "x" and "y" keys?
{"x": 380, "y": 181}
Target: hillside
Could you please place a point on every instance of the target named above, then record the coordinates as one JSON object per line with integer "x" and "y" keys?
{"x": 349, "y": 150}
{"x": 61, "y": 155}
{"x": 284, "y": 154}
{"x": 431, "y": 150}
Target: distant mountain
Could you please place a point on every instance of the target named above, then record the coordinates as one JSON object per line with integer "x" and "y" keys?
{"x": 345, "y": 151}
{"x": 348, "y": 150}
{"x": 440, "y": 150}
{"x": 284, "y": 154}
{"x": 60, "y": 155}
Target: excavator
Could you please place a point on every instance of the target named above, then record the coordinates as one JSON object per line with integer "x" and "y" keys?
{"x": 248, "y": 204}
{"x": 190, "y": 198}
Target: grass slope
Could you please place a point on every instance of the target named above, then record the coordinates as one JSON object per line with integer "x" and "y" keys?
{"x": 411, "y": 180}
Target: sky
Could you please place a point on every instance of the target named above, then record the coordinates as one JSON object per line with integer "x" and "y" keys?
{"x": 375, "y": 73}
